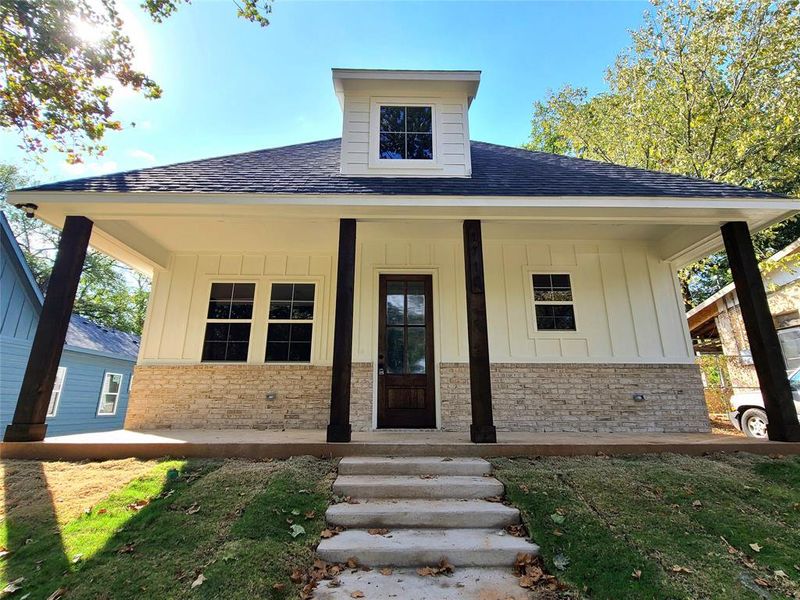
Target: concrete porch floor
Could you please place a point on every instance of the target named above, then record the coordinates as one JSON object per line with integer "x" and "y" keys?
{"x": 280, "y": 444}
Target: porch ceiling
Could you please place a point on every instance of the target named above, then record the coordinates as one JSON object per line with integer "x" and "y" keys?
{"x": 142, "y": 230}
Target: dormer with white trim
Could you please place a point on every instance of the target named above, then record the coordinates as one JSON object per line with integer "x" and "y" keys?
{"x": 405, "y": 123}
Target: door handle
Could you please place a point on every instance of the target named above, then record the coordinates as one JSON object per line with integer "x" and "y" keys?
{"x": 381, "y": 366}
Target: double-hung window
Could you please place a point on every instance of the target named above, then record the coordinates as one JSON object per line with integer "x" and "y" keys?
{"x": 230, "y": 317}
{"x": 553, "y": 303}
{"x": 290, "y": 323}
{"x": 406, "y": 133}
{"x": 109, "y": 396}
{"x": 55, "y": 397}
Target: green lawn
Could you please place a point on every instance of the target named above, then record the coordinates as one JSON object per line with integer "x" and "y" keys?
{"x": 149, "y": 529}
{"x": 229, "y": 521}
{"x": 664, "y": 526}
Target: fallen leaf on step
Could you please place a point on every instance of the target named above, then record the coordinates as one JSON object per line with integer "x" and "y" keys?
{"x": 385, "y": 571}
{"x": 427, "y": 476}
{"x": 357, "y": 594}
{"x": 426, "y": 571}
{"x": 516, "y": 530}
{"x": 494, "y": 499}
{"x": 378, "y": 531}
{"x": 327, "y": 533}
{"x": 352, "y": 563}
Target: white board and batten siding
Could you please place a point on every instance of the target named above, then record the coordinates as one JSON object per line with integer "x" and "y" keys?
{"x": 451, "y": 136}
{"x": 627, "y": 304}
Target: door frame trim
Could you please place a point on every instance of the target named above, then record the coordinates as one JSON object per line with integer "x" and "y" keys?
{"x": 386, "y": 270}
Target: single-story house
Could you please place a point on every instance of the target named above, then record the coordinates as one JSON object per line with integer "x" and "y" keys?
{"x": 716, "y": 325}
{"x": 93, "y": 377}
{"x": 404, "y": 276}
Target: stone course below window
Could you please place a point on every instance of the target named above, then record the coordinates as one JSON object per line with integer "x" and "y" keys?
{"x": 581, "y": 397}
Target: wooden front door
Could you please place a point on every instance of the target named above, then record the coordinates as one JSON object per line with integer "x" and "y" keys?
{"x": 406, "y": 394}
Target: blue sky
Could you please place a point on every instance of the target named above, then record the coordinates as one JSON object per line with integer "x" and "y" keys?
{"x": 230, "y": 86}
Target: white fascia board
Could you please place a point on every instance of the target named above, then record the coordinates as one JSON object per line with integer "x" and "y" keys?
{"x": 788, "y": 205}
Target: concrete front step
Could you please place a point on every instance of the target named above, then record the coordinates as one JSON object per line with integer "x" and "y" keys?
{"x": 406, "y": 584}
{"x": 464, "y": 514}
{"x": 421, "y": 547}
{"x": 405, "y": 486}
{"x": 419, "y": 465}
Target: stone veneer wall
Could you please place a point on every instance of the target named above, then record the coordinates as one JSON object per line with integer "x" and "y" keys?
{"x": 581, "y": 397}
{"x": 217, "y": 396}
{"x": 526, "y": 397}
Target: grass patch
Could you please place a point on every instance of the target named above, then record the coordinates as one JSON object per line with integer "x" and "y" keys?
{"x": 226, "y": 520}
{"x": 612, "y": 517}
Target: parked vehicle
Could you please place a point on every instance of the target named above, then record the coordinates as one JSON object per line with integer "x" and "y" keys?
{"x": 748, "y": 414}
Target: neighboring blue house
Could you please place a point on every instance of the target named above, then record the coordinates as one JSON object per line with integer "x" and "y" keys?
{"x": 94, "y": 376}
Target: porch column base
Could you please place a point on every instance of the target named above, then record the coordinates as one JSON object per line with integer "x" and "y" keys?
{"x": 482, "y": 434}
{"x": 25, "y": 432}
{"x": 339, "y": 433}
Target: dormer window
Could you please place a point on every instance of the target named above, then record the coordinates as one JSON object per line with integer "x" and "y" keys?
{"x": 406, "y": 133}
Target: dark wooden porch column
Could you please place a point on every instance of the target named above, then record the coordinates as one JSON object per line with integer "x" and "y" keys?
{"x": 482, "y": 429}
{"x": 339, "y": 426}
{"x": 764, "y": 344}
{"x": 40, "y": 374}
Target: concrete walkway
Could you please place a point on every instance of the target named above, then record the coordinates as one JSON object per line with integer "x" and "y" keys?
{"x": 412, "y": 512}
{"x": 248, "y": 443}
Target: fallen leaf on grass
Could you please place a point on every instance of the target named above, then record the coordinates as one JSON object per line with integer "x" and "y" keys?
{"x": 756, "y": 547}
{"x": 77, "y": 558}
{"x": 780, "y": 574}
{"x": 199, "y": 581}
{"x": 193, "y": 509}
{"x": 697, "y": 504}
{"x": 560, "y": 562}
{"x": 296, "y": 576}
{"x": 296, "y": 530}
{"x": 378, "y": 531}
{"x": 126, "y": 549}
{"x": 278, "y": 586}
{"x": 57, "y": 594}
{"x": 138, "y": 505}
{"x": 637, "y": 574}
{"x": 385, "y": 571}
{"x": 13, "y": 586}
{"x": 557, "y": 518}
{"x": 311, "y": 514}
{"x": 679, "y": 569}
{"x": 4, "y": 552}
{"x": 523, "y": 487}
{"x": 762, "y": 582}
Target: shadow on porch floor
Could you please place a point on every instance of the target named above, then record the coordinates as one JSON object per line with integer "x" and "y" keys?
{"x": 280, "y": 444}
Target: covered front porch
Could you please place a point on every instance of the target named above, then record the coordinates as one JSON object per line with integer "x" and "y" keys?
{"x": 205, "y": 443}
{"x": 622, "y": 364}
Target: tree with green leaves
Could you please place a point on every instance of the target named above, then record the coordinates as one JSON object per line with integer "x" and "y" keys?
{"x": 710, "y": 89}
{"x": 109, "y": 293}
{"x": 56, "y": 87}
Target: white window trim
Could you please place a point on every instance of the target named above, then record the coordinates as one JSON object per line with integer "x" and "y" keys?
{"x": 251, "y": 320}
{"x": 104, "y": 392}
{"x": 311, "y": 322}
{"x": 533, "y": 330}
{"x": 374, "y": 134}
{"x": 57, "y": 392}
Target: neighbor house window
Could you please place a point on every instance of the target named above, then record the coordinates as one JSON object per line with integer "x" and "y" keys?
{"x": 406, "y": 132}
{"x": 112, "y": 384}
{"x": 552, "y": 301}
{"x": 230, "y": 316}
{"x": 291, "y": 322}
{"x": 61, "y": 375}
{"x": 790, "y": 345}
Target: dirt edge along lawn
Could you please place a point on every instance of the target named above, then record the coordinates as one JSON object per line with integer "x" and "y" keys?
{"x": 669, "y": 526}
{"x": 184, "y": 529}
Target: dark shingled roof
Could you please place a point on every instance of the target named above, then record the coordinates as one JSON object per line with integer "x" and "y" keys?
{"x": 313, "y": 168}
{"x": 86, "y": 334}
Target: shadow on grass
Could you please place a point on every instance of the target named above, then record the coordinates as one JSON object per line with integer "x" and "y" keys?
{"x": 32, "y": 534}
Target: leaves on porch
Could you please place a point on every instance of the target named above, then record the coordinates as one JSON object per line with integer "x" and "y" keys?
{"x": 330, "y": 532}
